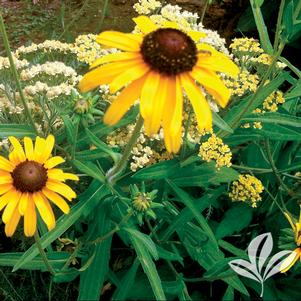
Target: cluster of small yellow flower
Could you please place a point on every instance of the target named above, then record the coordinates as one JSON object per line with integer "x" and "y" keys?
{"x": 215, "y": 149}
{"x": 145, "y": 7}
{"x": 247, "y": 189}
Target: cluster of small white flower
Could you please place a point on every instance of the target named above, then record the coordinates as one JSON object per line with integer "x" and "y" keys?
{"x": 5, "y": 64}
{"x": 52, "y": 69}
{"x": 145, "y": 7}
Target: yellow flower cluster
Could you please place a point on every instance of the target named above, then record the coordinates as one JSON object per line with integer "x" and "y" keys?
{"x": 247, "y": 189}
{"x": 245, "y": 82}
{"x": 145, "y": 7}
{"x": 266, "y": 59}
{"x": 215, "y": 149}
{"x": 271, "y": 103}
{"x": 255, "y": 125}
{"x": 86, "y": 48}
{"x": 245, "y": 46}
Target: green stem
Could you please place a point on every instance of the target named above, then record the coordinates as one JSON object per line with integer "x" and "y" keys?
{"x": 278, "y": 26}
{"x": 15, "y": 73}
{"x": 42, "y": 253}
{"x": 204, "y": 11}
{"x": 103, "y": 14}
{"x": 118, "y": 168}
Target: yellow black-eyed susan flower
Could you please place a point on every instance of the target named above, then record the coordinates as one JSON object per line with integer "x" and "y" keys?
{"x": 28, "y": 180}
{"x": 156, "y": 66}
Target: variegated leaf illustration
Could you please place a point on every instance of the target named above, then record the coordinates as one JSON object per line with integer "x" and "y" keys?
{"x": 246, "y": 269}
{"x": 275, "y": 263}
{"x": 266, "y": 242}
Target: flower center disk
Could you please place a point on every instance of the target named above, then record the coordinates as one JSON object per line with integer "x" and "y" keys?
{"x": 29, "y": 176}
{"x": 169, "y": 51}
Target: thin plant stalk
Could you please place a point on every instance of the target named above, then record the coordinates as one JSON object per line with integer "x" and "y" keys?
{"x": 43, "y": 254}
{"x": 278, "y": 26}
{"x": 204, "y": 11}
{"x": 118, "y": 168}
{"x": 15, "y": 74}
{"x": 103, "y": 14}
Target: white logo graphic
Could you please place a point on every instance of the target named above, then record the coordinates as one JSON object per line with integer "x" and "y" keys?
{"x": 259, "y": 250}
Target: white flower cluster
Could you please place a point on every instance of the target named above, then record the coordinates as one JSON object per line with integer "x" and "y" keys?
{"x": 145, "y": 7}
{"x": 50, "y": 68}
{"x": 11, "y": 108}
{"x": 46, "y": 46}
{"x": 5, "y": 64}
{"x": 50, "y": 91}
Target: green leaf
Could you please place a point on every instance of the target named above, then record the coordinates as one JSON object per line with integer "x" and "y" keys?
{"x": 144, "y": 240}
{"x": 56, "y": 260}
{"x": 235, "y": 219}
{"x": 221, "y": 123}
{"x": 275, "y": 118}
{"x": 92, "y": 279}
{"x": 16, "y": 130}
{"x": 90, "y": 169}
{"x": 70, "y": 129}
{"x": 295, "y": 92}
{"x": 63, "y": 223}
{"x": 148, "y": 266}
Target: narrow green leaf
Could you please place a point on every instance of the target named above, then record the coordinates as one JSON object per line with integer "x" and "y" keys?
{"x": 221, "y": 123}
{"x": 90, "y": 169}
{"x": 17, "y": 130}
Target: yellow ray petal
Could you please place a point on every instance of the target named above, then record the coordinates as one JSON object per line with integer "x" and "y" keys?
{"x": 5, "y": 188}
{"x": 104, "y": 74}
{"x": 123, "y": 102}
{"x": 218, "y": 62}
{"x": 44, "y": 208}
{"x": 153, "y": 122}
{"x": 11, "y": 226}
{"x": 53, "y": 161}
{"x": 170, "y": 24}
{"x": 18, "y": 149}
{"x": 5, "y": 178}
{"x": 290, "y": 260}
{"x": 70, "y": 176}
{"x": 4, "y": 199}
{"x": 173, "y": 143}
{"x": 23, "y": 203}
{"x": 62, "y": 189}
{"x": 128, "y": 76}
{"x": 28, "y": 146}
{"x": 10, "y": 207}
{"x": 196, "y": 35}
{"x": 119, "y": 40}
{"x": 148, "y": 93}
{"x": 14, "y": 158}
{"x": 56, "y": 174}
{"x": 57, "y": 200}
{"x": 145, "y": 24}
{"x": 200, "y": 106}
{"x": 30, "y": 218}
{"x": 113, "y": 57}
{"x": 6, "y": 165}
{"x": 211, "y": 82}
{"x": 39, "y": 149}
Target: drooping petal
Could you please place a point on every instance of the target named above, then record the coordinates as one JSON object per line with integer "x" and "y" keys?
{"x": 62, "y": 189}
{"x": 211, "y": 82}
{"x": 10, "y": 207}
{"x": 44, "y": 208}
{"x": 119, "y": 40}
{"x": 23, "y": 203}
{"x": 28, "y": 146}
{"x": 18, "y": 149}
{"x": 70, "y": 176}
{"x": 173, "y": 143}
{"x": 6, "y": 165}
{"x": 152, "y": 123}
{"x": 12, "y": 224}
{"x": 113, "y": 57}
{"x": 123, "y": 102}
{"x": 290, "y": 260}
{"x": 200, "y": 106}
{"x": 5, "y": 188}
{"x": 4, "y": 199}
{"x": 30, "y": 218}
{"x": 105, "y": 74}
{"x": 145, "y": 24}
{"x": 128, "y": 76}
{"x": 57, "y": 200}
{"x": 148, "y": 93}
{"x": 53, "y": 161}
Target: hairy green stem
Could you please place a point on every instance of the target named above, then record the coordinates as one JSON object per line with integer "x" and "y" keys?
{"x": 42, "y": 253}
{"x": 118, "y": 168}
{"x": 15, "y": 73}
